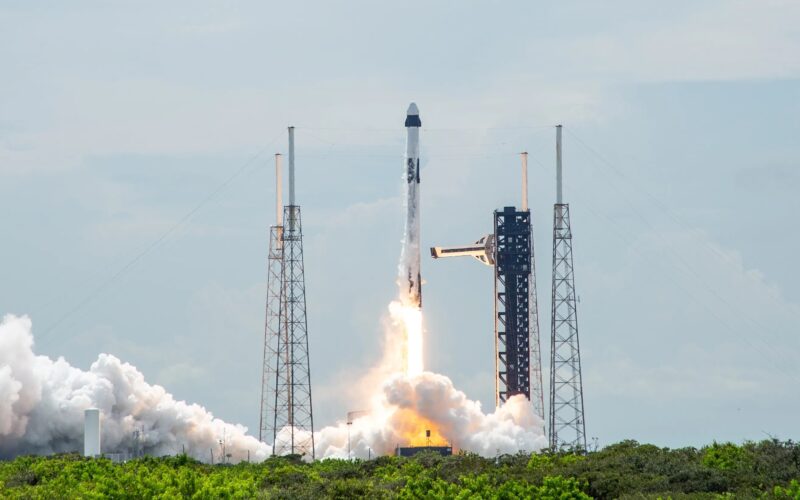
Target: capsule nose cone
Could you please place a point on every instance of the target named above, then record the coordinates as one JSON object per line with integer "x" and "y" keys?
{"x": 412, "y": 116}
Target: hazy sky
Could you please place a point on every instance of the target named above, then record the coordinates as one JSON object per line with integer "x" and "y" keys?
{"x": 682, "y": 164}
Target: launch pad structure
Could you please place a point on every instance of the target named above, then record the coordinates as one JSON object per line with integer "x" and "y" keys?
{"x": 518, "y": 361}
{"x": 516, "y": 314}
{"x": 509, "y": 250}
{"x": 286, "y": 418}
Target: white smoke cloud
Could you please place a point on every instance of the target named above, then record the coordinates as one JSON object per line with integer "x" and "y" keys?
{"x": 42, "y": 403}
{"x": 400, "y": 407}
{"x": 407, "y": 406}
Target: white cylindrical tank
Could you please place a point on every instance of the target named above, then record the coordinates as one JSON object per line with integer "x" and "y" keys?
{"x": 91, "y": 432}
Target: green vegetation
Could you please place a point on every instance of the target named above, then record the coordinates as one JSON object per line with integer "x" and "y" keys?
{"x": 769, "y": 469}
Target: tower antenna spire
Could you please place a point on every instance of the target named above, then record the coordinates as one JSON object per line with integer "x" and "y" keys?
{"x": 291, "y": 166}
{"x": 278, "y": 190}
{"x": 559, "y": 193}
{"x": 524, "y": 157}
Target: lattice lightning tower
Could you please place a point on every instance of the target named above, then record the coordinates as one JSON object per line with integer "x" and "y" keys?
{"x": 567, "y": 423}
{"x": 292, "y": 415}
{"x": 274, "y": 326}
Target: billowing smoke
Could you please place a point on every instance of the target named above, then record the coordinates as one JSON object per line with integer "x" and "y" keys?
{"x": 400, "y": 407}
{"x": 408, "y": 406}
{"x": 42, "y": 403}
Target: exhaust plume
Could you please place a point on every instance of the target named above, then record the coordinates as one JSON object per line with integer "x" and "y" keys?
{"x": 42, "y": 403}
{"x": 407, "y": 406}
{"x": 402, "y": 406}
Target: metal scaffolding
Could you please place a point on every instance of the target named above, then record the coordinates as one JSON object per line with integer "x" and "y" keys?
{"x": 516, "y": 314}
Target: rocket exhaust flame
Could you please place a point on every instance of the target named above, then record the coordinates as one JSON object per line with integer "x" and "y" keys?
{"x": 410, "y": 318}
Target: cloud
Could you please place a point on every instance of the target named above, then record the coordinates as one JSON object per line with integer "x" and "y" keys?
{"x": 710, "y": 332}
{"x": 716, "y": 40}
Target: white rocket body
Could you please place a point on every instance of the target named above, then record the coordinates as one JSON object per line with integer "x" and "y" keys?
{"x": 411, "y": 283}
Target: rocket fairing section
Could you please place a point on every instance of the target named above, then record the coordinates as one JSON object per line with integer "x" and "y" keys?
{"x": 411, "y": 258}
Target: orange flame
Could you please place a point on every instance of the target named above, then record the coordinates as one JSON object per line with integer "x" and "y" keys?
{"x": 413, "y": 427}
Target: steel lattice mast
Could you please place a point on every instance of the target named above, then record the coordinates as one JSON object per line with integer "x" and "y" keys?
{"x": 294, "y": 409}
{"x": 292, "y": 415}
{"x": 567, "y": 423}
{"x": 274, "y": 326}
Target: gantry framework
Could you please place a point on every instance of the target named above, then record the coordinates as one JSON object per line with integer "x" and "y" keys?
{"x": 509, "y": 249}
{"x": 516, "y": 310}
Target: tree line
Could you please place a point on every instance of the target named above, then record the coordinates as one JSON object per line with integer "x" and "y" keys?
{"x": 766, "y": 469}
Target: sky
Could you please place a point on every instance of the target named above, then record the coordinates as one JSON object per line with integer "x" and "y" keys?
{"x": 137, "y": 191}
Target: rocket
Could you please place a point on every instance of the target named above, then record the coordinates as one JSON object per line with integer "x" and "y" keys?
{"x": 410, "y": 281}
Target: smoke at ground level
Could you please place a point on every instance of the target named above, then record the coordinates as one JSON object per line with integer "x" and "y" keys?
{"x": 42, "y": 402}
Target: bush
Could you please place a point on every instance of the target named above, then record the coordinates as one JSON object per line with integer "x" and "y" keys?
{"x": 792, "y": 491}
{"x": 769, "y": 469}
{"x": 726, "y": 456}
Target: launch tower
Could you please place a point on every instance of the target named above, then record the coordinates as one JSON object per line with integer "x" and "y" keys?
{"x": 516, "y": 325}
{"x": 509, "y": 249}
{"x": 567, "y": 424}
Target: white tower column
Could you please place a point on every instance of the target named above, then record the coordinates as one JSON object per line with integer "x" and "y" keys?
{"x": 91, "y": 432}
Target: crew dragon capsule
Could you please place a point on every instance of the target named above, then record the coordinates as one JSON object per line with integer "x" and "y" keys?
{"x": 411, "y": 258}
